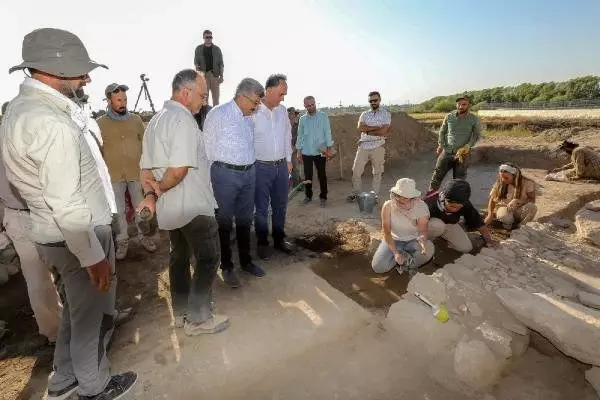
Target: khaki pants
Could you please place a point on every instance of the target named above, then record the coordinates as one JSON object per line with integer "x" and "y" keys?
{"x": 42, "y": 293}
{"x": 455, "y": 235}
{"x": 521, "y": 215}
{"x": 377, "y": 158}
{"x": 212, "y": 84}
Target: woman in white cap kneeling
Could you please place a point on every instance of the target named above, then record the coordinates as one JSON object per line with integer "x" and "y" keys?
{"x": 404, "y": 221}
{"x": 512, "y": 199}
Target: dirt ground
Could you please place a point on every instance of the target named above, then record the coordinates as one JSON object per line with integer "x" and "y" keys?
{"x": 340, "y": 259}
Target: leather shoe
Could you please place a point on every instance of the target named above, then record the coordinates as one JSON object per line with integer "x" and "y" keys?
{"x": 253, "y": 269}
{"x": 230, "y": 278}
{"x": 264, "y": 252}
{"x": 284, "y": 247}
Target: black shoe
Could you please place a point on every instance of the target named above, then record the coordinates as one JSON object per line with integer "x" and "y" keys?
{"x": 254, "y": 269}
{"x": 306, "y": 200}
{"x": 323, "y": 203}
{"x": 264, "y": 252}
{"x": 63, "y": 393}
{"x": 284, "y": 247}
{"x": 118, "y": 386}
{"x": 351, "y": 198}
{"x": 230, "y": 278}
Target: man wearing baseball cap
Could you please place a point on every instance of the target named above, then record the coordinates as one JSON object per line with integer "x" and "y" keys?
{"x": 122, "y": 133}
{"x": 50, "y": 163}
{"x": 460, "y": 131}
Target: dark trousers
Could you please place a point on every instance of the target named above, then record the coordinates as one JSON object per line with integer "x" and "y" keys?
{"x": 192, "y": 296}
{"x": 234, "y": 192}
{"x": 446, "y": 162}
{"x": 320, "y": 163}
{"x": 272, "y": 183}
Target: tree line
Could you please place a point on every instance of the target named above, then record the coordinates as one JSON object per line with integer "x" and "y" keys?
{"x": 583, "y": 88}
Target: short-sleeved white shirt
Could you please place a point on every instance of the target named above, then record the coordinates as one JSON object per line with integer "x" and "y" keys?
{"x": 374, "y": 118}
{"x": 173, "y": 139}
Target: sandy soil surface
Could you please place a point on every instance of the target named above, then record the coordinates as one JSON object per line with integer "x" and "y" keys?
{"x": 143, "y": 284}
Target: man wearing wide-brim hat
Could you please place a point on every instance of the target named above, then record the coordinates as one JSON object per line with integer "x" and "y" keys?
{"x": 51, "y": 165}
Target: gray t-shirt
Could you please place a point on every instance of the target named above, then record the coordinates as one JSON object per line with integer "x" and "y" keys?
{"x": 172, "y": 139}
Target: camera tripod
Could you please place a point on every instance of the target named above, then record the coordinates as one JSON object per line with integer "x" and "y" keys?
{"x": 144, "y": 89}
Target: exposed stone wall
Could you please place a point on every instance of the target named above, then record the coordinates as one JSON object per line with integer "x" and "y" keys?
{"x": 538, "y": 279}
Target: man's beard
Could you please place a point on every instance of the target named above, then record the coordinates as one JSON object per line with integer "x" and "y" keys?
{"x": 66, "y": 89}
{"x": 120, "y": 111}
{"x": 375, "y": 107}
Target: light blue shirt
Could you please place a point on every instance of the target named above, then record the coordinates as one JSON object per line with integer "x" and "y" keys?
{"x": 229, "y": 135}
{"x": 314, "y": 132}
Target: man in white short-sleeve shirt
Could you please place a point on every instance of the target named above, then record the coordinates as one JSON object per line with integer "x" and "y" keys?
{"x": 374, "y": 127}
{"x": 176, "y": 181}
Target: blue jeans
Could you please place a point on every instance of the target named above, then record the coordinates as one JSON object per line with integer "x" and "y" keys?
{"x": 272, "y": 183}
{"x": 383, "y": 259}
{"x": 234, "y": 192}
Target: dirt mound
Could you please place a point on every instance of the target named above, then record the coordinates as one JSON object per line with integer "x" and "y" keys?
{"x": 407, "y": 137}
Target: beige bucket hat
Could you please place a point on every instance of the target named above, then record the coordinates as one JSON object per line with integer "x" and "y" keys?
{"x": 56, "y": 52}
{"x": 406, "y": 187}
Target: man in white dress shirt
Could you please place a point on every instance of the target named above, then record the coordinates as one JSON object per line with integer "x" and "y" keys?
{"x": 229, "y": 142}
{"x": 273, "y": 149}
{"x": 374, "y": 127}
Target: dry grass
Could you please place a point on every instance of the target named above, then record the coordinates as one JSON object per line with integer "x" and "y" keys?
{"x": 516, "y": 131}
{"x": 428, "y": 116}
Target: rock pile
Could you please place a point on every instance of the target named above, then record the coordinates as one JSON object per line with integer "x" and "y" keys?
{"x": 9, "y": 262}
{"x": 587, "y": 221}
{"x": 534, "y": 281}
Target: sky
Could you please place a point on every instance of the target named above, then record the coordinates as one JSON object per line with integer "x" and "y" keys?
{"x": 335, "y": 50}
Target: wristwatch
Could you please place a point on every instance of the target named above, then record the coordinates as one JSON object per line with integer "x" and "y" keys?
{"x": 151, "y": 193}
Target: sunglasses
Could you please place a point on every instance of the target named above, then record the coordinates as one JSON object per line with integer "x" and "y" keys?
{"x": 207, "y": 37}
{"x": 373, "y": 101}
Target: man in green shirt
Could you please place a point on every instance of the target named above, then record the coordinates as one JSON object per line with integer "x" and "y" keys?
{"x": 459, "y": 132}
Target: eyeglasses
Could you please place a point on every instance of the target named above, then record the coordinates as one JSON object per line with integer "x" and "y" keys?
{"x": 373, "y": 101}
{"x": 255, "y": 102}
{"x": 207, "y": 37}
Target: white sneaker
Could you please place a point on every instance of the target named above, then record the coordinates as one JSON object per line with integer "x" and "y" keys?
{"x": 148, "y": 244}
{"x": 215, "y": 324}
{"x": 121, "y": 251}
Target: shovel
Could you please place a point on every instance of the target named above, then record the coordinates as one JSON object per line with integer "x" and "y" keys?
{"x": 297, "y": 189}
{"x": 439, "y": 312}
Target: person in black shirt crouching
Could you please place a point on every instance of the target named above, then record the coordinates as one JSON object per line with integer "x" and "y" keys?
{"x": 445, "y": 209}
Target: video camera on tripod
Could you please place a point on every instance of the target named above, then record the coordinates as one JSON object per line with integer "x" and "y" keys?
{"x": 144, "y": 89}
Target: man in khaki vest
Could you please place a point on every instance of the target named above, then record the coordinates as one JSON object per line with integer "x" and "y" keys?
{"x": 122, "y": 134}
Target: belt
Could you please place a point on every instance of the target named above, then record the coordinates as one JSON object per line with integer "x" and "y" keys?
{"x": 19, "y": 209}
{"x": 54, "y": 244}
{"x": 276, "y": 162}
{"x": 233, "y": 167}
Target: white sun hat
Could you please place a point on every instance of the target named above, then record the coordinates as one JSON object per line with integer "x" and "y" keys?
{"x": 406, "y": 187}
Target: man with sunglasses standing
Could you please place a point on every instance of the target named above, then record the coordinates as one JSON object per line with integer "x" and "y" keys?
{"x": 208, "y": 59}
{"x": 374, "y": 127}
{"x": 229, "y": 141}
{"x": 122, "y": 134}
{"x": 50, "y": 163}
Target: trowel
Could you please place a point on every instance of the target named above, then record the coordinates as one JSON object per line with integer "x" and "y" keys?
{"x": 440, "y": 312}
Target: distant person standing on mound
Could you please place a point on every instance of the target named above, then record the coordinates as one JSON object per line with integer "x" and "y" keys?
{"x": 459, "y": 132}
{"x": 208, "y": 59}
